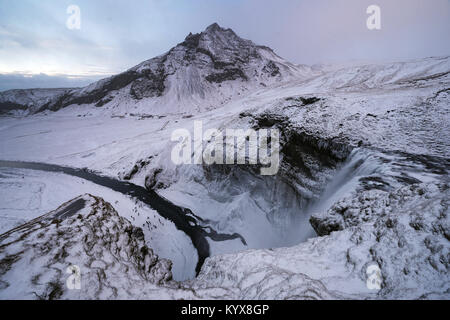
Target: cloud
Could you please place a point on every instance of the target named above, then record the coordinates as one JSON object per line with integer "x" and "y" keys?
{"x": 25, "y": 81}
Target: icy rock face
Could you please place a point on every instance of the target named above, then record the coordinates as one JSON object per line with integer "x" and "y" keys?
{"x": 308, "y": 161}
{"x": 86, "y": 232}
{"x": 203, "y": 71}
{"x": 405, "y": 232}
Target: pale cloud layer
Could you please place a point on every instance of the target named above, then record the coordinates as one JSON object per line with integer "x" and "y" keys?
{"x": 116, "y": 35}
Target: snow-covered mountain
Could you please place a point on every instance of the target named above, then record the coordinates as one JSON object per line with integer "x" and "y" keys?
{"x": 202, "y": 72}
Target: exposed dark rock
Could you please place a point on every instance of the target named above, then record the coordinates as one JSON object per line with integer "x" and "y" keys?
{"x": 267, "y": 120}
{"x": 109, "y": 85}
{"x": 191, "y": 41}
{"x": 374, "y": 182}
{"x": 6, "y": 107}
{"x": 151, "y": 180}
{"x": 272, "y": 69}
{"x": 136, "y": 168}
{"x": 151, "y": 85}
{"x": 304, "y": 101}
{"x": 228, "y": 74}
{"x": 324, "y": 229}
{"x": 104, "y": 101}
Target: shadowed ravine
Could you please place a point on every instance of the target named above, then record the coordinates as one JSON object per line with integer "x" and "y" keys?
{"x": 183, "y": 218}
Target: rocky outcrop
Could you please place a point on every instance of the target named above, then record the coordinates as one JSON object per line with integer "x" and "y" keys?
{"x": 308, "y": 161}
{"x": 85, "y": 235}
{"x": 404, "y": 232}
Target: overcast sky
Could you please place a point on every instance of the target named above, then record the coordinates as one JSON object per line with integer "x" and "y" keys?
{"x": 38, "y": 50}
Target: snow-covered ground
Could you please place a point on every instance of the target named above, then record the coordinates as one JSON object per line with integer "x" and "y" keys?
{"x": 83, "y": 238}
{"x": 404, "y": 235}
{"x": 27, "y": 194}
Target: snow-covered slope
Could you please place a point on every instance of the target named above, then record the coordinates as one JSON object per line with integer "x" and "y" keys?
{"x": 384, "y": 75}
{"x": 85, "y": 232}
{"x": 25, "y": 101}
{"x": 358, "y": 76}
{"x": 26, "y": 195}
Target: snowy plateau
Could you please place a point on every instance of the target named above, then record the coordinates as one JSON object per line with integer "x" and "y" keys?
{"x": 86, "y": 180}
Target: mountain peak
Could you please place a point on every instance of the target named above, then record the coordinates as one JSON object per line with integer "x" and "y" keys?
{"x": 213, "y": 33}
{"x": 214, "y": 27}
{"x": 211, "y": 66}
